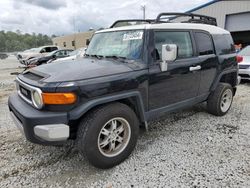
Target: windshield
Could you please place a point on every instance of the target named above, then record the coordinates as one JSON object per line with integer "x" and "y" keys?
{"x": 245, "y": 51}
{"x": 75, "y": 52}
{"x": 126, "y": 44}
{"x": 51, "y": 53}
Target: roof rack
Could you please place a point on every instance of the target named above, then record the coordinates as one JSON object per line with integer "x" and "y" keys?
{"x": 120, "y": 23}
{"x": 194, "y": 18}
{"x": 170, "y": 16}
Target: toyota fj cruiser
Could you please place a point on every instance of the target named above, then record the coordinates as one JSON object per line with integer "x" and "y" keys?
{"x": 129, "y": 75}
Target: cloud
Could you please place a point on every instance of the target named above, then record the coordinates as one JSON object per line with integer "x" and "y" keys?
{"x": 47, "y": 4}
{"x": 63, "y": 17}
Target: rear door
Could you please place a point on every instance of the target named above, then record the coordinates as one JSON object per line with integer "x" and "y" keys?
{"x": 208, "y": 60}
{"x": 181, "y": 81}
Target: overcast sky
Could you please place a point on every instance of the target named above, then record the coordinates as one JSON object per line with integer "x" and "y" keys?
{"x": 66, "y": 16}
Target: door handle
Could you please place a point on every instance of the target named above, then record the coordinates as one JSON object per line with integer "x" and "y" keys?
{"x": 195, "y": 68}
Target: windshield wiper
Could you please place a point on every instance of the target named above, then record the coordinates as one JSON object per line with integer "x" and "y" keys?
{"x": 116, "y": 57}
{"x": 94, "y": 55}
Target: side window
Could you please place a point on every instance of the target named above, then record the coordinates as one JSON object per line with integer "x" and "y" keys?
{"x": 181, "y": 38}
{"x": 224, "y": 44}
{"x": 53, "y": 49}
{"x": 204, "y": 43}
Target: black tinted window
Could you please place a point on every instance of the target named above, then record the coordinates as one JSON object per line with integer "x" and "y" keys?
{"x": 53, "y": 49}
{"x": 224, "y": 44}
{"x": 181, "y": 39}
{"x": 204, "y": 43}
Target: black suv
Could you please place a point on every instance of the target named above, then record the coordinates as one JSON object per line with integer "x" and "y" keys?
{"x": 129, "y": 75}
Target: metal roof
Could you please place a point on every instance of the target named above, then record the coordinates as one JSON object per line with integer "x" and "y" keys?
{"x": 204, "y": 5}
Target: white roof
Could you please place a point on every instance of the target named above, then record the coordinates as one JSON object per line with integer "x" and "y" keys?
{"x": 209, "y": 28}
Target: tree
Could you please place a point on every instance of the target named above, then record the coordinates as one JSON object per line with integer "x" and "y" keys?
{"x": 16, "y": 41}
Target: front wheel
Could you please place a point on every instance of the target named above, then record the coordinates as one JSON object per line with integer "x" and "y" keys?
{"x": 108, "y": 135}
{"x": 220, "y": 101}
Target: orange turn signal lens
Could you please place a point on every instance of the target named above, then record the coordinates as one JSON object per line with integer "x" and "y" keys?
{"x": 59, "y": 98}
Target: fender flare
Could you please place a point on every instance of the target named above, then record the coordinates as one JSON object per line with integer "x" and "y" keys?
{"x": 217, "y": 80}
{"x": 84, "y": 108}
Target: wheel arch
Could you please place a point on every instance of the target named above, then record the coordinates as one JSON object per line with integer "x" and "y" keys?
{"x": 131, "y": 99}
{"x": 229, "y": 76}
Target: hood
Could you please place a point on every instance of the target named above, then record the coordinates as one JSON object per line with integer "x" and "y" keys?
{"x": 81, "y": 69}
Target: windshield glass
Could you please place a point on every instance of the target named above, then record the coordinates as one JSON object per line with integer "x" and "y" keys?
{"x": 245, "y": 51}
{"x": 126, "y": 44}
{"x": 51, "y": 53}
{"x": 75, "y": 52}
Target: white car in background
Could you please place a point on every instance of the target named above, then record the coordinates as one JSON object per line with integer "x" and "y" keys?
{"x": 26, "y": 55}
{"x": 244, "y": 65}
{"x": 79, "y": 53}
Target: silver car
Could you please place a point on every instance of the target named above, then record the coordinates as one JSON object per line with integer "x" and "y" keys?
{"x": 244, "y": 65}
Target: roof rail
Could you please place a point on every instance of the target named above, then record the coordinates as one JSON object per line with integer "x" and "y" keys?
{"x": 170, "y": 16}
{"x": 120, "y": 23}
{"x": 194, "y": 18}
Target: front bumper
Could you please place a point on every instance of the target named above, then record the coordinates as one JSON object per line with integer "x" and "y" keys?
{"x": 244, "y": 74}
{"x": 41, "y": 127}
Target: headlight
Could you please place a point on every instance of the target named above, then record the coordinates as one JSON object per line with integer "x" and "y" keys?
{"x": 37, "y": 99}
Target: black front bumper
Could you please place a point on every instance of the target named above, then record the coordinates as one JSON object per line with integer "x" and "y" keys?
{"x": 29, "y": 117}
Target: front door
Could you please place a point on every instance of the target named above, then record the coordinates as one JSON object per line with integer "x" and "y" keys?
{"x": 181, "y": 81}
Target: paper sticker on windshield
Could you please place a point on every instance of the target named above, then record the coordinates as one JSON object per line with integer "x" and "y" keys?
{"x": 133, "y": 36}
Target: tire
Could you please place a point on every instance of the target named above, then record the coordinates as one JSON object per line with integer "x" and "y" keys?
{"x": 95, "y": 131}
{"x": 220, "y": 100}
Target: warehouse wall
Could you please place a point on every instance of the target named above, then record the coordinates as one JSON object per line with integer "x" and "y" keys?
{"x": 222, "y": 8}
{"x": 67, "y": 41}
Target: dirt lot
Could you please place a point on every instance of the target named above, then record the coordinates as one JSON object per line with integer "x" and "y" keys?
{"x": 185, "y": 149}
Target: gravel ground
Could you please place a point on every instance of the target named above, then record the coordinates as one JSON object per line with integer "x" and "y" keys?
{"x": 190, "y": 148}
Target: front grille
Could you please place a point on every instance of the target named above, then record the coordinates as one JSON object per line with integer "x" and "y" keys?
{"x": 32, "y": 76}
{"x": 25, "y": 92}
{"x": 244, "y": 66}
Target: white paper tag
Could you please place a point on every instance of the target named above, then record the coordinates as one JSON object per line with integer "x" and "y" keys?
{"x": 133, "y": 36}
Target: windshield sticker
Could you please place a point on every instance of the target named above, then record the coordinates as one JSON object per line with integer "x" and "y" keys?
{"x": 133, "y": 36}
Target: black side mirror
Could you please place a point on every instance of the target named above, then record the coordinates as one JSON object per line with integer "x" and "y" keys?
{"x": 87, "y": 42}
{"x": 54, "y": 56}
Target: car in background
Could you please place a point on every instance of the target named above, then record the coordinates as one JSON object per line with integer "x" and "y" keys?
{"x": 244, "y": 65}
{"x": 3, "y": 55}
{"x": 79, "y": 53}
{"x": 57, "y": 54}
{"x": 26, "y": 55}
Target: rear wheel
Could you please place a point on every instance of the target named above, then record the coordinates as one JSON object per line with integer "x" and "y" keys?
{"x": 108, "y": 135}
{"x": 220, "y": 101}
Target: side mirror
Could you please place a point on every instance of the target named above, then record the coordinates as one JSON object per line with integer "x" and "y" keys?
{"x": 168, "y": 54}
{"x": 54, "y": 56}
{"x": 87, "y": 42}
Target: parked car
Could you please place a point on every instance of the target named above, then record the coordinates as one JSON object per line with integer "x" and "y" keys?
{"x": 129, "y": 76}
{"x": 72, "y": 56}
{"x": 3, "y": 55}
{"x": 57, "y": 54}
{"x": 244, "y": 65}
{"x": 23, "y": 57}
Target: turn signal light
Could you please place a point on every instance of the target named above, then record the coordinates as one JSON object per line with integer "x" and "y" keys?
{"x": 59, "y": 98}
{"x": 239, "y": 59}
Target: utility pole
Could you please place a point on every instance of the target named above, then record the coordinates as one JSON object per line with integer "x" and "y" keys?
{"x": 143, "y": 8}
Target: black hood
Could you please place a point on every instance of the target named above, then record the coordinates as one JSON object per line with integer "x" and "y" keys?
{"x": 81, "y": 69}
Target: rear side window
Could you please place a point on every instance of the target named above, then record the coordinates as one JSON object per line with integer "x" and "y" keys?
{"x": 181, "y": 38}
{"x": 204, "y": 43}
{"x": 53, "y": 49}
{"x": 224, "y": 44}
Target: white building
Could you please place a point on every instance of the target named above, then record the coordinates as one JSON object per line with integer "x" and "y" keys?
{"x": 232, "y": 15}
